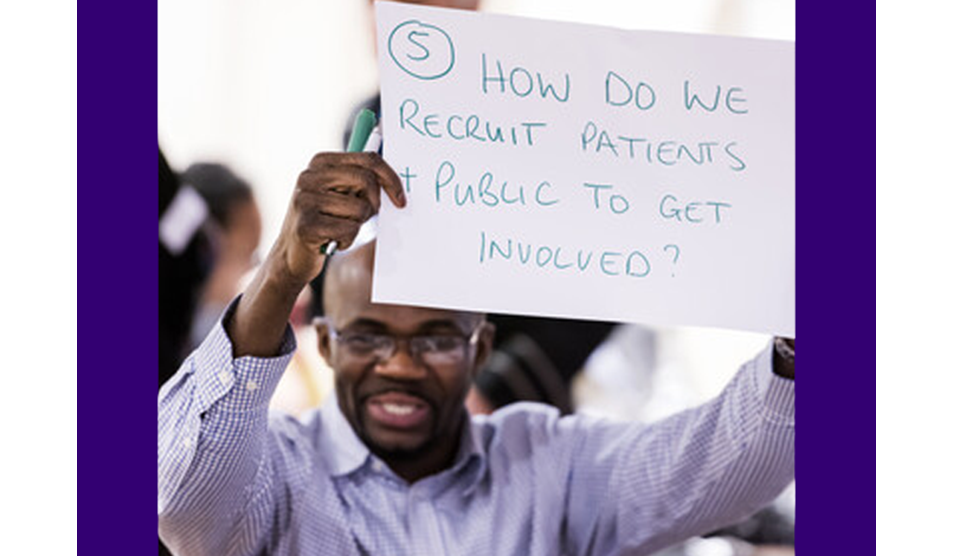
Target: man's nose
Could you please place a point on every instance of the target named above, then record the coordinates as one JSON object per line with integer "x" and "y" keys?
{"x": 401, "y": 365}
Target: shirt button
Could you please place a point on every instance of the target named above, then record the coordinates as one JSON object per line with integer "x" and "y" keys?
{"x": 251, "y": 386}
{"x": 187, "y": 443}
{"x": 224, "y": 377}
{"x": 377, "y": 466}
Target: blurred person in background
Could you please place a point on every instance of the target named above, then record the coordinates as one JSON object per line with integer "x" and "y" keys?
{"x": 235, "y": 231}
{"x": 185, "y": 260}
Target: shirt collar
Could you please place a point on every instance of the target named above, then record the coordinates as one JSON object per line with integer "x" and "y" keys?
{"x": 340, "y": 447}
{"x": 471, "y": 449}
{"x": 345, "y": 453}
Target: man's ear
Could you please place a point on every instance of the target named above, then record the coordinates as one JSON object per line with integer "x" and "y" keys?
{"x": 485, "y": 346}
{"x": 324, "y": 338}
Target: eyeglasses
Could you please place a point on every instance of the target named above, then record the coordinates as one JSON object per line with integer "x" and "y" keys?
{"x": 434, "y": 349}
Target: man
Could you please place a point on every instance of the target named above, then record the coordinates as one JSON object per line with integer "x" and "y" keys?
{"x": 395, "y": 465}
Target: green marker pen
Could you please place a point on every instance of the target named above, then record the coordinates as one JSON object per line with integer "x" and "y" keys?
{"x": 361, "y": 139}
{"x": 363, "y": 125}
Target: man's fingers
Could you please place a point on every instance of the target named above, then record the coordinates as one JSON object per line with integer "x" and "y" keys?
{"x": 334, "y": 204}
{"x": 388, "y": 180}
{"x": 316, "y": 229}
{"x": 339, "y": 192}
{"x": 349, "y": 181}
{"x": 381, "y": 175}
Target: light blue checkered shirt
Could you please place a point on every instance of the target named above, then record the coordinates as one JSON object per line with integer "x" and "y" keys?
{"x": 525, "y": 482}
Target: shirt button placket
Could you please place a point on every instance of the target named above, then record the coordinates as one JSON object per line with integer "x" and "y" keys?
{"x": 425, "y": 526}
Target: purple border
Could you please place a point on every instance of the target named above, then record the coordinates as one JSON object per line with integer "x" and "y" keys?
{"x": 118, "y": 272}
{"x": 118, "y": 315}
{"x": 835, "y": 142}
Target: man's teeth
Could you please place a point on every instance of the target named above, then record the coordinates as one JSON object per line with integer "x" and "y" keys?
{"x": 398, "y": 409}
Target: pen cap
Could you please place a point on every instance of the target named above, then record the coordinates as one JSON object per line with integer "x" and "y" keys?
{"x": 363, "y": 125}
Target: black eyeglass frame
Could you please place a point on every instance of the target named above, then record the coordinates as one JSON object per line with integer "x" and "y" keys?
{"x": 418, "y": 345}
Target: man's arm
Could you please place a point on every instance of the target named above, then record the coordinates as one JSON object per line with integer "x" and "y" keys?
{"x": 637, "y": 489}
{"x": 212, "y": 457}
{"x": 334, "y": 196}
{"x": 218, "y": 478}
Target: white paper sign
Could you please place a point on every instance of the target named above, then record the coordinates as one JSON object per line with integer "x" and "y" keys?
{"x": 580, "y": 171}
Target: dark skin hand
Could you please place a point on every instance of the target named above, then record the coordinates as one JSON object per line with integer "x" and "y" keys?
{"x": 334, "y": 196}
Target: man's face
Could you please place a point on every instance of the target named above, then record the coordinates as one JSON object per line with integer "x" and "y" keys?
{"x": 405, "y": 405}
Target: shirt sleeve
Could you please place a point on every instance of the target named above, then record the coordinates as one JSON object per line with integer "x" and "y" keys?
{"x": 636, "y": 489}
{"x": 213, "y": 465}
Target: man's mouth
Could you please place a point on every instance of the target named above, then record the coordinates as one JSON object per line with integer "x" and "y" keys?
{"x": 398, "y": 410}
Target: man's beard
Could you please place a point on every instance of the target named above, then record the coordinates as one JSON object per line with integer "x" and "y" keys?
{"x": 409, "y": 454}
